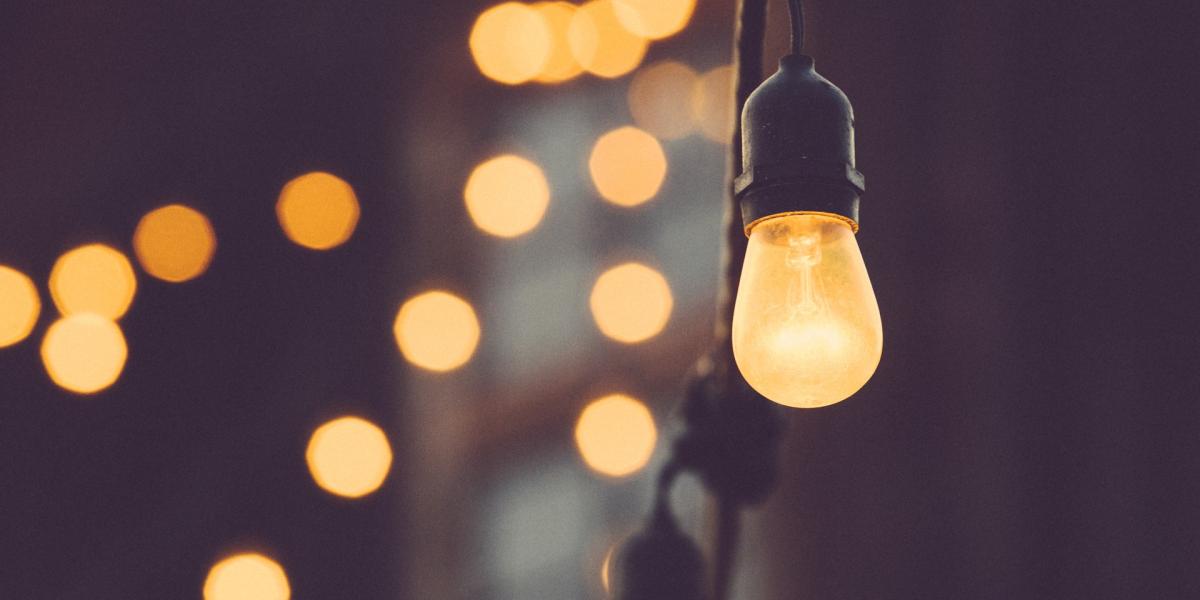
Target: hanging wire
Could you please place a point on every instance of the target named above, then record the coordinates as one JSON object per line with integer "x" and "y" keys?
{"x": 796, "y": 9}
{"x": 750, "y": 30}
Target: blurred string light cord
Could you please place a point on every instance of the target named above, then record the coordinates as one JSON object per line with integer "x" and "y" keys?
{"x": 796, "y": 171}
{"x": 796, "y": 9}
{"x": 731, "y": 434}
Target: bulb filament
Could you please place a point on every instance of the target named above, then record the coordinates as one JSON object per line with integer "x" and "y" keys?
{"x": 804, "y": 254}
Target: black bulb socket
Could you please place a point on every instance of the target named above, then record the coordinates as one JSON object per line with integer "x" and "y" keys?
{"x": 798, "y": 148}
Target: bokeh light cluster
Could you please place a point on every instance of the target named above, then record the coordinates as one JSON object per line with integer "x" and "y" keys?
{"x": 93, "y": 286}
{"x": 84, "y": 350}
{"x": 552, "y": 42}
{"x": 670, "y": 100}
{"x": 507, "y": 196}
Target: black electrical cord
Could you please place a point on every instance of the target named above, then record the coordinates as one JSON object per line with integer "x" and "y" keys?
{"x": 796, "y": 9}
{"x": 749, "y": 33}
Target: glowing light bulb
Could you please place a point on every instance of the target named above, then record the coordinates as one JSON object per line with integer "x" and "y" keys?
{"x": 806, "y": 328}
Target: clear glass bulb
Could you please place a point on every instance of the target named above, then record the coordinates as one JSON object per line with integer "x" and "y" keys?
{"x": 806, "y": 328}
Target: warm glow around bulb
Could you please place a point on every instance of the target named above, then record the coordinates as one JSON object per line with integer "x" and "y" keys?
{"x": 507, "y": 196}
{"x": 560, "y": 64}
{"x": 712, "y": 104}
{"x": 601, "y": 44}
{"x": 806, "y": 327}
{"x": 655, "y": 96}
{"x": 616, "y": 435}
{"x": 19, "y": 306}
{"x": 174, "y": 243}
{"x": 93, "y": 279}
{"x": 247, "y": 576}
{"x": 654, "y": 19}
{"x": 511, "y": 43}
{"x": 437, "y": 331}
{"x": 631, "y": 303}
{"x": 84, "y": 353}
{"x": 349, "y": 457}
{"x": 317, "y": 210}
{"x": 627, "y": 166}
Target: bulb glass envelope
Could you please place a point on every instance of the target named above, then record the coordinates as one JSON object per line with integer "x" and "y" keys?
{"x": 806, "y": 326}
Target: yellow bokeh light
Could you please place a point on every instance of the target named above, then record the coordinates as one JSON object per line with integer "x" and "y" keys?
{"x": 247, "y": 576}
{"x": 506, "y": 196}
{"x": 174, "y": 243}
{"x": 631, "y": 303}
{"x": 19, "y": 306}
{"x": 511, "y": 43}
{"x": 601, "y": 44}
{"x": 437, "y": 331}
{"x": 349, "y": 457}
{"x": 560, "y": 63}
{"x": 317, "y": 210}
{"x": 627, "y": 166}
{"x": 712, "y": 104}
{"x": 84, "y": 353}
{"x": 654, "y": 19}
{"x": 655, "y": 95}
{"x": 615, "y": 435}
{"x": 93, "y": 279}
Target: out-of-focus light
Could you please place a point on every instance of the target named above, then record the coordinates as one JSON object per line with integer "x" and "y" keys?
{"x": 93, "y": 279}
{"x": 84, "y": 353}
{"x": 506, "y": 196}
{"x": 437, "y": 331}
{"x": 247, "y": 576}
{"x": 631, "y": 302}
{"x": 655, "y": 95}
{"x": 627, "y": 166}
{"x": 615, "y": 435}
{"x": 654, "y": 19}
{"x": 605, "y": 567}
{"x": 560, "y": 63}
{"x": 317, "y": 210}
{"x": 712, "y": 104}
{"x": 511, "y": 43}
{"x": 19, "y": 306}
{"x": 174, "y": 243}
{"x": 601, "y": 44}
{"x": 349, "y": 457}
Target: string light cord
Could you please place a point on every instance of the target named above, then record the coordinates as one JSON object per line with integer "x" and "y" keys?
{"x": 731, "y": 434}
{"x": 796, "y": 10}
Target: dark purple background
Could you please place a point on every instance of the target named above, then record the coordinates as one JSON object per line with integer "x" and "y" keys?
{"x": 1031, "y": 433}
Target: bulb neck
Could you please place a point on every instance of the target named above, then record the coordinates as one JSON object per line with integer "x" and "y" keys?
{"x": 798, "y": 148}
